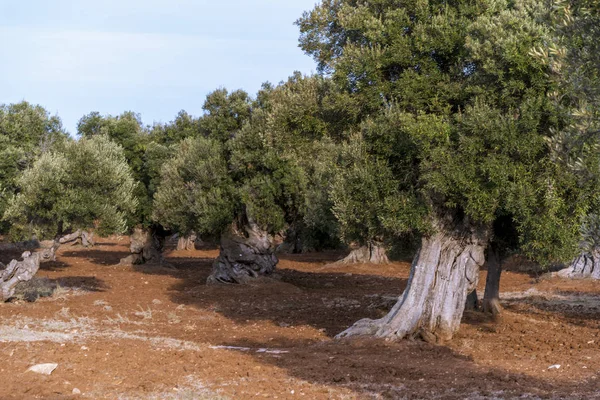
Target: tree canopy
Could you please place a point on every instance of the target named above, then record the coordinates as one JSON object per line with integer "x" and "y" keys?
{"x": 457, "y": 106}
{"x": 26, "y": 132}
{"x": 87, "y": 184}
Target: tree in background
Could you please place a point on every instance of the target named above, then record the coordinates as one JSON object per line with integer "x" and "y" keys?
{"x": 574, "y": 59}
{"x": 249, "y": 176}
{"x": 468, "y": 118}
{"x": 362, "y": 192}
{"x": 26, "y": 132}
{"x": 86, "y": 184}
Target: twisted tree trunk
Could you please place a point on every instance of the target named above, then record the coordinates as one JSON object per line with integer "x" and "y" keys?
{"x": 373, "y": 253}
{"x": 22, "y": 271}
{"x": 585, "y": 266}
{"x": 491, "y": 297}
{"x": 146, "y": 246}
{"x": 86, "y": 239}
{"x": 246, "y": 253}
{"x": 444, "y": 271}
{"x": 187, "y": 242}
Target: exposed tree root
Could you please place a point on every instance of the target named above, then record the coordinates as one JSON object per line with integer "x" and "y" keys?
{"x": 25, "y": 270}
{"x": 444, "y": 271}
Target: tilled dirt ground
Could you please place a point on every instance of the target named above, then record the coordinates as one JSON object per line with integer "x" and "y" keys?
{"x": 151, "y": 332}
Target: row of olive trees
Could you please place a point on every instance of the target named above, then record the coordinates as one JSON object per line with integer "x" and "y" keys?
{"x": 439, "y": 120}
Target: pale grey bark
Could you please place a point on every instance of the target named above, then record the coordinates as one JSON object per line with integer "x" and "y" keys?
{"x": 145, "y": 246}
{"x": 187, "y": 242}
{"x": 444, "y": 271}
{"x": 246, "y": 253}
{"x": 84, "y": 238}
{"x": 585, "y": 266}
{"x": 24, "y": 270}
{"x": 373, "y": 253}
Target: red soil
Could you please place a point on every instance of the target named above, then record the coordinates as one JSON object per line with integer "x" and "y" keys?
{"x": 153, "y": 332}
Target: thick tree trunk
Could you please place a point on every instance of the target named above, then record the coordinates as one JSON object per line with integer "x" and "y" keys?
{"x": 444, "y": 271}
{"x": 585, "y": 266}
{"x": 146, "y": 246}
{"x": 373, "y": 253}
{"x": 491, "y": 297}
{"x": 246, "y": 253}
{"x": 23, "y": 271}
{"x": 84, "y": 238}
{"x": 187, "y": 242}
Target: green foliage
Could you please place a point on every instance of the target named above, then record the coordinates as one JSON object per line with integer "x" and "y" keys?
{"x": 182, "y": 127}
{"x": 196, "y": 192}
{"x": 86, "y": 184}
{"x": 362, "y": 190}
{"x": 264, "y": 174}
{"x": 224, "y": 114}
{"x": 456, "y": 114}
{"x": 127, "y": 131}
{"x": 26, "y": 131}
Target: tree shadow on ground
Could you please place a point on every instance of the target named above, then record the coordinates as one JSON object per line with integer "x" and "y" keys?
{"x": 404, "y": 370}
{"x": 39, "y": 287}
{"x": 330, "y": 300}
{"x": 96, "y": 255}
{"x": 326, "y": 300}
{"x": 575, "y": 307}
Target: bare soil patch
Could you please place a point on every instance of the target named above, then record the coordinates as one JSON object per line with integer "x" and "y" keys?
{"x": 151, "y": 332}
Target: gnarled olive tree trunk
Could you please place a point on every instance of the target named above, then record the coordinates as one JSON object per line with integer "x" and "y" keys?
{"x": 84, "y": 238}
{"x": 585, "y": 266}
{"x": 25, "y": 270}
{"x": 246, "y": 253}
{"x": 373, "y": 253}
{"x": 187, "y": 242}
{"x": 146, "y": 246}
{"x": 444, "y": 271}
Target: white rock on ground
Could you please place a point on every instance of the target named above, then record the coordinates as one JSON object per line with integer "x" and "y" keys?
{"x": 45, "y": 369}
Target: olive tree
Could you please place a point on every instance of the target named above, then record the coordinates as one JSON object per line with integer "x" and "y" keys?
{"x": 248, "y": 176}
{"x": 469, "y": 119}
{"x": 87, "y": 184}
{"x": 26, "y": 131}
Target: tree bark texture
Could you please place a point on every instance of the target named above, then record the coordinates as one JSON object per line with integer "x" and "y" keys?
{"x": 373, "y": 253}
{"x": 585, "y": 266}
{"x": 25, "y": 270}
{"x": 246, "y": 253}
{"x": 491, "y": 297}
{"x": 187, "y": 242}
{"x": 444, "y": 271}
{"x": 84, "y": 238}
{"x": 145, "y": 246}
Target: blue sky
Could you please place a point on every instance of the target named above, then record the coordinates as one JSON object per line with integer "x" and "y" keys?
{"x": 154, "y": 57}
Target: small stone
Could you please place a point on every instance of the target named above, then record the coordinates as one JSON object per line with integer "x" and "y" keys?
{"x": 44, "y": 369}
{"x": 156, "y": 301}
{"x": 76, "y": 391}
